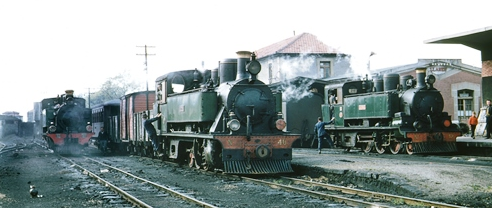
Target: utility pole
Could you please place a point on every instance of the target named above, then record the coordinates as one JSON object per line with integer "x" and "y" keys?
{"x": 369, "y": 61}
{"x": 146, "y": 72}
{"x": 89, "y": 95}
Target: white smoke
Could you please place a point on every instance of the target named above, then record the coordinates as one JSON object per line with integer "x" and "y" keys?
{"x": 360, "y": 63}
{"x": 292, "y": 67}
{"x": 293, "y": 92}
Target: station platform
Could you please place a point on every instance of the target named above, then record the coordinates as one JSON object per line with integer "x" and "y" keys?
{"x": 480, "y": 146}
{"x": 479, "y": 141}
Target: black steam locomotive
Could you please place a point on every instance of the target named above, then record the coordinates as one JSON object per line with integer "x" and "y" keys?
{"x": 221, "y": 123}
{"x": 68, "y": 123}
{"x": 391, "y": 113}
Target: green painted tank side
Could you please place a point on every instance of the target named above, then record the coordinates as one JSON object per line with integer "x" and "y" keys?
{"x": 381, "y": 105}
{"x": 192, "y": 107}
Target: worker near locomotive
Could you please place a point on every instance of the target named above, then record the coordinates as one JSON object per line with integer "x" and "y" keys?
{"x": 103, "y": 138}
{"x": 147, "y": 123}
{"x": 319, "y": 129}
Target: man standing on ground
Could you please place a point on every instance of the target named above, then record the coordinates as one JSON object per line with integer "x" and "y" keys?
{"x": 488, "y": 118}
{"x": 103, "y": 138}
{"x": 319, "y": 130}
{"x": 147, "y": 123}
{"x": 473, "y": 122}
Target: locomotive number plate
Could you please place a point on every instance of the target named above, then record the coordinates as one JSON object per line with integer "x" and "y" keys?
{"x": 362, "y": 107}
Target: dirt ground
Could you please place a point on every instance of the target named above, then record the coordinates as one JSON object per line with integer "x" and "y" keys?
{"x": 34, "y": 165}
{"x": 63, "y": 186}
{"x": 462, "y": 180}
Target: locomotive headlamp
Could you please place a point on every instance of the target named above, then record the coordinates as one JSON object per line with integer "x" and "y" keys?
{"x": 446, "y": 123}
{"x": 234, "y": 125}
{"x": 431, "y": 79}
{"x": 253, "y": 67}
{"x": 417, "y": 125}
{"x": 52, "y": 128}
{"x": 280, "y": 124}
{"x": 88, "y": 128}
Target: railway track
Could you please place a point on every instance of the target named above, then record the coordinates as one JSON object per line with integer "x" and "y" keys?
{"x": 345, "y": 195}
{"x": 472, "y": 162}
{"x": 10, "y": 147}
{"x": 135, "y": 189}
{"x": 123, "y": 182}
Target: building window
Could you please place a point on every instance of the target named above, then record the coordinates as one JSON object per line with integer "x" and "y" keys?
{"x": 465, "y": 104}
{"x": 324, "y": 69}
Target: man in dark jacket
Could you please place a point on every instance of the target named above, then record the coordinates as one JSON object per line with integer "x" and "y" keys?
{"x": 488, "y": 118}
{"x": 319, "y": 130}
{"x": 103, "y": 139}
{"x": 147, "y": 123}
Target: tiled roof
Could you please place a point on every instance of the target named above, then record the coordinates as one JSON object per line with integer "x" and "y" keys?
{"x": 303, "y": 43}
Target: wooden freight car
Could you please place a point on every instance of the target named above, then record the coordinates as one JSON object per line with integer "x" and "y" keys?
{"x": 132, "y": 107}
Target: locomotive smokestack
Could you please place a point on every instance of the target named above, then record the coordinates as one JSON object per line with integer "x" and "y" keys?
{"x": 420, "y": 73}
{"x": 242, "y": 60}
{"x": 227, "y": 70}
{"x": 69, "y": 93}
{"x": 215, "y": 76}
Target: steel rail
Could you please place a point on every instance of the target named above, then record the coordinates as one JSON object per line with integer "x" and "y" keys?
{"x": 339, "y": 199}
{"x": 435, "y": 163}
{"x": 158, "y": 186}
{"x": 2, "y": 145}
{"x": 387, "y": 197}
{"x": 7, "y": 148}
{"x": 130, "y": 198}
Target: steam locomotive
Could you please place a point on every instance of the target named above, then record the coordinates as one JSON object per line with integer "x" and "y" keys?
{"x": 391, "y": 113}
{"x": 68, "y": 124}
{"x": 233, "y": 125}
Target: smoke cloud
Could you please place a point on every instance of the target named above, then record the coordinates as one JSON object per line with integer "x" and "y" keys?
{"x": 293, "y": 92}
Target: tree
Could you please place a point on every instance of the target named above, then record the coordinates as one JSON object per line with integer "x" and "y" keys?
{"x": 113, "y": 88}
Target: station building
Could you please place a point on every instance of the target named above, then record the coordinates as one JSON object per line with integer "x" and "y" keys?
{"x": 479, "y": 39}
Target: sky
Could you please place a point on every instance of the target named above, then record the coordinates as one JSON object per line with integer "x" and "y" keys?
{"x": 49, "y": 46}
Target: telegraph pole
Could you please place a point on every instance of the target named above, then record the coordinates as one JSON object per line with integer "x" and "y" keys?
{"x": 89, "y": 95}
{"x": 146, "y": 72}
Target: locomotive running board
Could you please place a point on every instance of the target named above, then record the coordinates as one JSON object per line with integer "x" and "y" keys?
{"x": 433, "y": 147}
{"x": 258, "y": 167}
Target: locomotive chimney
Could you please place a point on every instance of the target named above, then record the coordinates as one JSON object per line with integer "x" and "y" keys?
{"x": 227, "y": 70}
{"x": 69, "y": 93}
{"x": 420, "y": 73}
{"x": 215, "y": 76}
{"x": 242, "y": 60}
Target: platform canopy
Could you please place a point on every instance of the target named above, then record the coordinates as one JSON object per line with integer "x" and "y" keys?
{"x": 479, "y": 39}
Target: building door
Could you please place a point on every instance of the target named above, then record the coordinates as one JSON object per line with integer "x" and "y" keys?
{"x": 465, "y": 105}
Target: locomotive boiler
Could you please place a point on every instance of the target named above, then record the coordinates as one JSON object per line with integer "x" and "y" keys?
{"x": 390, "y": 114}
{"x": 223, "y": 119}
{"x": 67, "y": 127}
